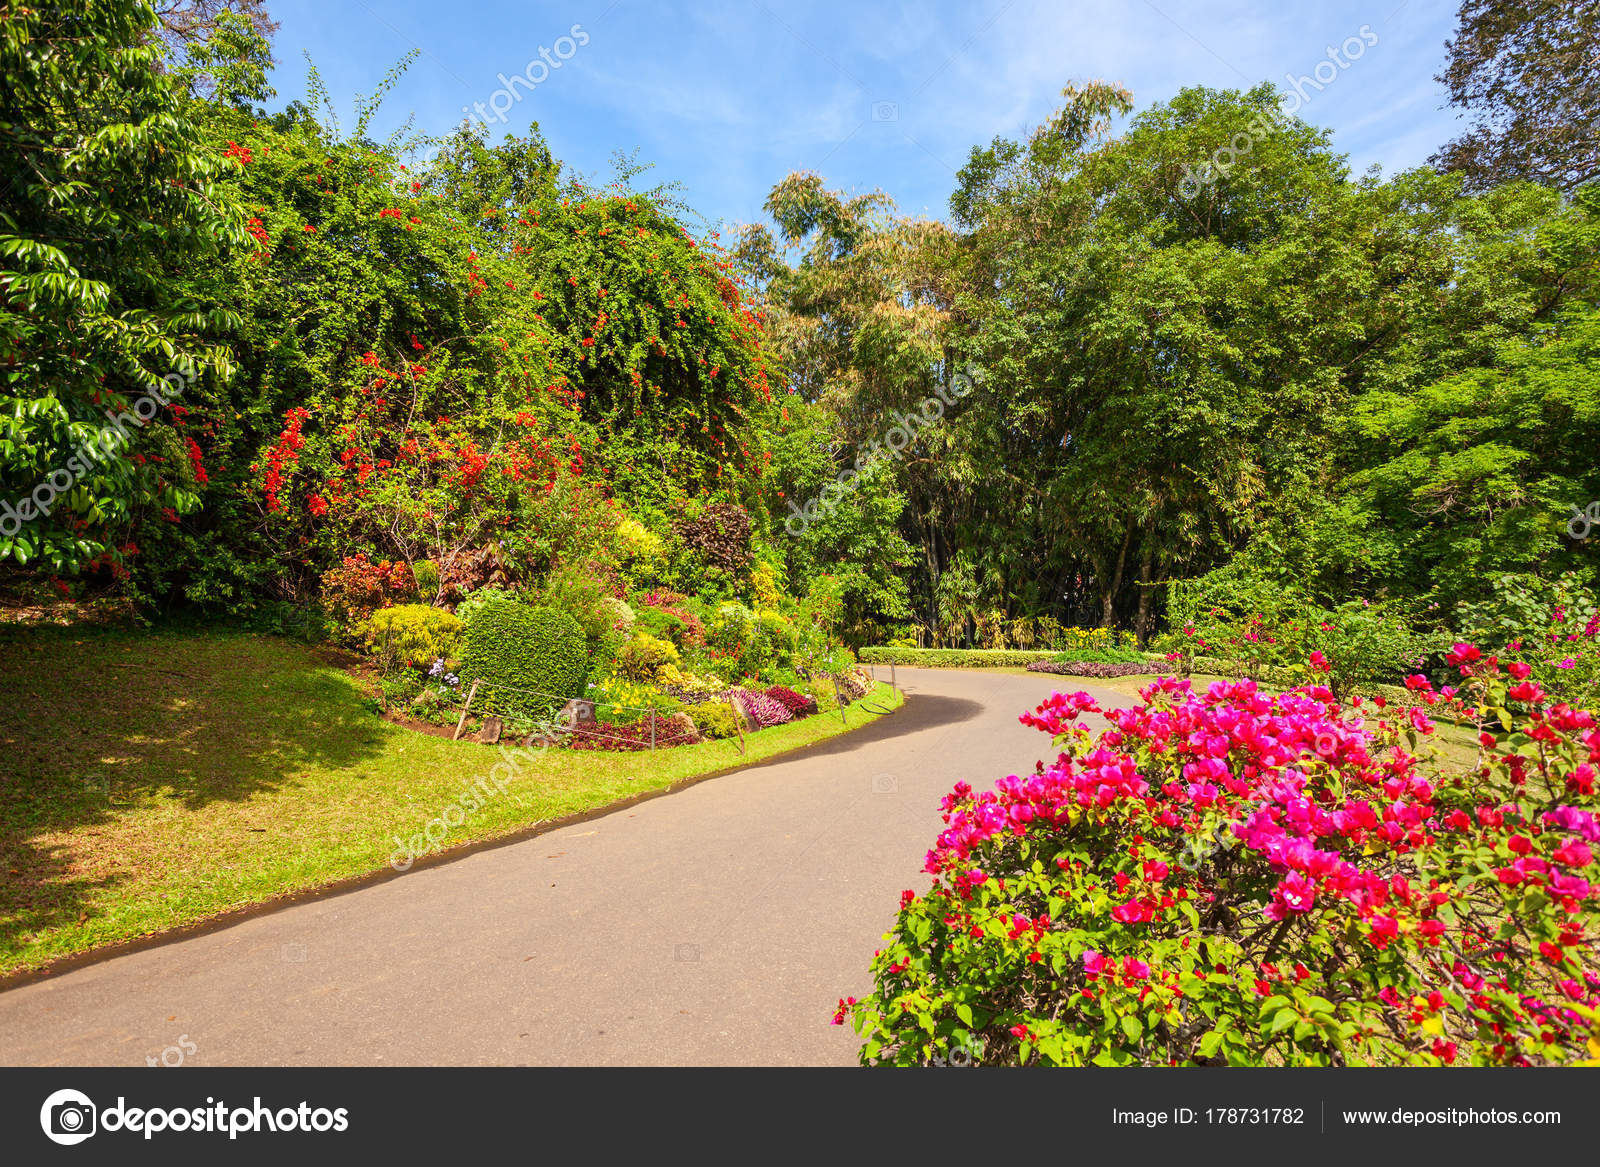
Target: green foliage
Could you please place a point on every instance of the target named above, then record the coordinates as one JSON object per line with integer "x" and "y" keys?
{"x": 1553, "y": 625}
{"x": 428, "y": 579}
{"x": 530, "y": 659}
{"x": 475, "y": 601}
{"x": 413, "y": 634}
{"x": 109, "y": 194}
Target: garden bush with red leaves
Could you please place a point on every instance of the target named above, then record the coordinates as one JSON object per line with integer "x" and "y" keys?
{"x": 677, "y": 730}
{"x": 796, "y": 703}
{"x": 1231, "y": 877}
{"x": 762, "y": 710}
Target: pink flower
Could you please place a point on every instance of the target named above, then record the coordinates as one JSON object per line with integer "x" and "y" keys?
{"x": 1132, "y": 912}
{"x": 1573, "y": 854}
{"x": 1294, "y": 893}
{"x": 1320, "y": 662}
{"x": 1136, "y": 970}
{"x": 1094, "y": 963}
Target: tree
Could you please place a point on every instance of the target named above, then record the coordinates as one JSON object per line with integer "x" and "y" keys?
{"x": 1528, "y": 72}
{"x": 106, "y": 197}
{"x": 183, "y": 22}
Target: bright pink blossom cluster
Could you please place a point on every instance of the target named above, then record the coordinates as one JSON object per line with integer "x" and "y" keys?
{"x": 1377, "y": 895}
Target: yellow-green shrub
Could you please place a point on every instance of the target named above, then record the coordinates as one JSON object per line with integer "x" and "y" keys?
{"x": 643, "y": 655}
{"x": 412, "y": 634}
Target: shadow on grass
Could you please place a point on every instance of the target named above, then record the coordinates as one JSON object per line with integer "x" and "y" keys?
{"x": 94, "y": 722}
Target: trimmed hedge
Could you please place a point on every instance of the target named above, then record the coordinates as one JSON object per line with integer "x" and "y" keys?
{"x": 954, "y": 658}
{"x": 515, "y": 645}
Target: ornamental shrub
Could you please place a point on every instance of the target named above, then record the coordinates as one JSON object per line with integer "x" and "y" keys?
{"x": 796, "y": 703}
{"x": 521, "y": 652}
{"x": 428, "y": 580}
{"x": 643, "y": 655}
{"x": 412, "y": 634}
{"x": 476, "y": 601}
{"x": 715, "y": 719}
{"x": 358, "y": 587}
{"x": 761, "y": 710}
{"x": 1235, "y": 878}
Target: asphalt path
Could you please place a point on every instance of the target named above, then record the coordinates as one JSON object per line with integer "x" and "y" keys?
{"x": 717, "y": 925}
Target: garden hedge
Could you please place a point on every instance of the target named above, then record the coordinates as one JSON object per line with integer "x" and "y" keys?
{"x": 524, "y": 651}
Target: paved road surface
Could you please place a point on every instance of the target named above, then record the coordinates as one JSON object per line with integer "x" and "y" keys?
{"x": 715, "y": 926}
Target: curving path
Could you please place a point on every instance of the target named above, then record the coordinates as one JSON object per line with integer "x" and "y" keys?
{"x": 715, "y": 926}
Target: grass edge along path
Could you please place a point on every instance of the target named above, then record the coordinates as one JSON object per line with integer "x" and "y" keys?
{"x": 174, "y": 812}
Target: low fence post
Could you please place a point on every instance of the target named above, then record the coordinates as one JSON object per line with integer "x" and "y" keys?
{"x": 738, "y": 722}
{"x": 462, "y": 724}
{"x": 838, "y": 696}
{"x": 652, "y": 727}
{"x": 894, "y": 680}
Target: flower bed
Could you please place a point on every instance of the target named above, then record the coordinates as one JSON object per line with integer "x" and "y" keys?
{"x": 953, "y": 658}
{"x": 1090, "y": 668}
{"x": 676, "y": 730}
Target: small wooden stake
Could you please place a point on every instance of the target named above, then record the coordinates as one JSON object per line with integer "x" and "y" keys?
{"x": 738, "y": 722}
{"x": 462, "y": 724}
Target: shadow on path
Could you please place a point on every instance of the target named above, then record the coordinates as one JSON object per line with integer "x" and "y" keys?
{"x": 919, "y": 712}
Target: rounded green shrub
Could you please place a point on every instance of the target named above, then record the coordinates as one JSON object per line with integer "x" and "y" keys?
{"x": 529, "y": 659}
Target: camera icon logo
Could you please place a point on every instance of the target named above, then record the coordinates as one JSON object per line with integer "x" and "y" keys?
{"x": 686, "y": 953}
{"x": 884, "y": 784}
{"x": 885, "y": 111}
{"x": 68, "y": 1117}
{"x": 292, "y": 953}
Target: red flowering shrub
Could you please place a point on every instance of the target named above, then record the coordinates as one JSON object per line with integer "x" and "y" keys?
{"x": 357, "y": 588}
{"x": 1232, "y": 877}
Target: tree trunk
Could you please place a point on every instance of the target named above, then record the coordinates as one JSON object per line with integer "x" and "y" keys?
{"x": 1108, "y": 595}
{"x": 1147, "y": 595}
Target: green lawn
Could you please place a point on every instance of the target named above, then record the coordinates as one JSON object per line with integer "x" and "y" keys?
{"x": 155, "y": 779}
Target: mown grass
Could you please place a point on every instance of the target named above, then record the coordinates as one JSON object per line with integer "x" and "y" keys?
{"x": 154, "y": 779}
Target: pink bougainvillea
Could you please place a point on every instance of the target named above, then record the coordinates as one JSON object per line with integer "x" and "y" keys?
{"x": 1242, "y": 877}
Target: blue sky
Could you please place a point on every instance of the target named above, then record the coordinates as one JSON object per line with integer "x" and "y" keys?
{"x": 727, "y": 98}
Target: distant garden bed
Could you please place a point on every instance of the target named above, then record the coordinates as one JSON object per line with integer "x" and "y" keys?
{"x": 1092, "y": 668}
{"x": 954, "y": 658}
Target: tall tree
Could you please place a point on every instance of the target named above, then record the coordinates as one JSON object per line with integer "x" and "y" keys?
{"x": 106, "y": 200}
{"x": 1528, "y": 74}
